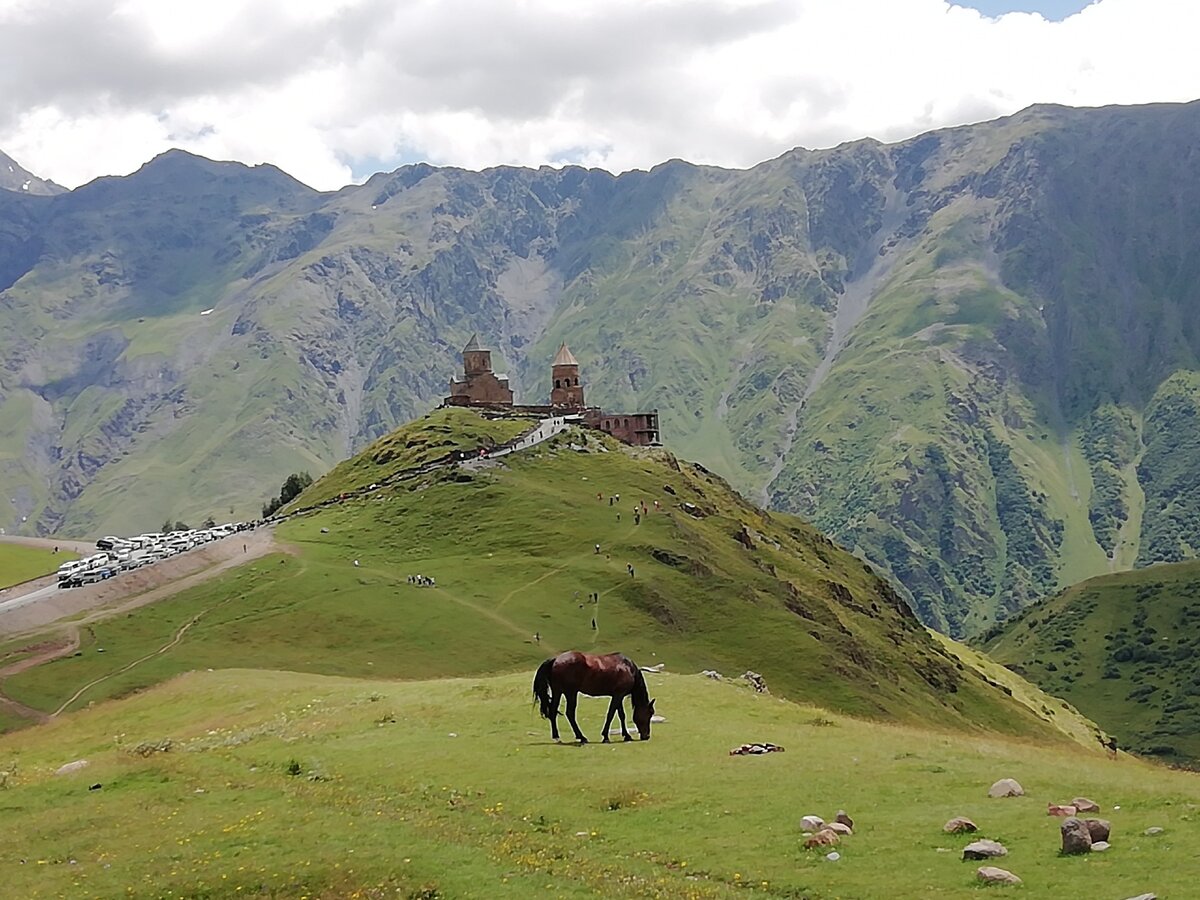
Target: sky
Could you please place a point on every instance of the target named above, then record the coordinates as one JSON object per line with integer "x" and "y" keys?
{"x": 333, "y": 91}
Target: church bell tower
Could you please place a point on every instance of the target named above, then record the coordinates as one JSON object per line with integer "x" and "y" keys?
{"x": 567, "y": 392}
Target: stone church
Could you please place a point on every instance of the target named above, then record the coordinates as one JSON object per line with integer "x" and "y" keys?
{"x": 480, "y": 386}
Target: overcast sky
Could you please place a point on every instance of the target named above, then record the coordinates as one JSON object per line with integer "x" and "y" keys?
{"x": 333, "y": 91}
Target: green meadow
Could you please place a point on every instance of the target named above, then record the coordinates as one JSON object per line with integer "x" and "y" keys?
{"x": 20, "y": 563}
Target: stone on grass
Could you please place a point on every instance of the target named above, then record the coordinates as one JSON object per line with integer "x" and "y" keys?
{"x": 833, "y": 856}
{"x": 1153, "y": 830}
{"x": 992, "y": 875}
{"x": 823, "y": 838}
{"x": 984, "y": 850}
{"x": 1063, "y": 811}
{"x": 812, "y": 823}
{"x": 960, "y": 825}
{"x": 1083, "y": 804}
{"x": 1099, "y": 829}
{"x": 70, "y": 767}
{"x": 1006, "y": 787}
{"x": 1099, "y": 846}
{"x": 839, "y": 828}
{"x": 1076, "y": 838}
{"x": 844, "y": 819}
{"x": 1144, "y": 897}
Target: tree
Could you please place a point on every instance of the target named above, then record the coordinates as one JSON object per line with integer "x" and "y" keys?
{"x": 210, "y": 522}
{"x": 181, "y": 526}
{"x": 166, "y": 527}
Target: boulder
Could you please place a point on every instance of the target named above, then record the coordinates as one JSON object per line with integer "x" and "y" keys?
{"x": 984, "y": 850}
{"x": 1099, "y": 829}
{"x": 833, "y": 856}
{"x": 839, "y": 828}
{"x": 1152, "y": 830}
{"x": 1144, "y": 897}
{"x": 844, "y": 819}
{"x": 70, "y": 767}
{"x": 992, "y": 875}
{"x": 812, "y": 823}
{"x": 1006, "y": 787}
{"x": 1076, "y": 838}
{"x": 1063, "y": 811}
{"x": 960, "y": 825}
{"x": 1083, "y": 804}
{"x": 823, "y": 838}
{"x": 1099, "y": 846}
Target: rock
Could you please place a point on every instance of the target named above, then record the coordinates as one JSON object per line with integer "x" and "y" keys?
{"x": 1144, "y": 897}
{"x": 833, "y": 856}
{"x": 840, "y": 828}
{"x": 992, "y": 875}
{"x": 844, "y": 819}
{"x": 1083, "y": 804}
{"x": 1076, "y": 838}
{"x": 1153, "y": 830}
{"x": 1006, "y": 787}
{"x": 984, "y": 850}
{"x": 1064, "y": 811}
{"x": 1099, "y": 829}
{"x": 823, "y": 838}
{"x": 1099, "y": 846}
{"x": 960, "y": 825}
{"x": 95, "y": 787}
{"x": 812, "y": 823}
{"x": 72, "y": 767}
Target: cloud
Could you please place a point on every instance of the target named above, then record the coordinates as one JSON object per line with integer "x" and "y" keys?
{"x": 92, "y": 87}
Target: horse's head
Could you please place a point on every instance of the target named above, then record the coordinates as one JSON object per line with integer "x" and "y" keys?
{"x": 641, "y": 718}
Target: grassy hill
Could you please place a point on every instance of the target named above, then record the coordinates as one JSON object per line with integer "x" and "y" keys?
{"x": 1125, "y": 650}
{"x": 278, "y": 784}
{"x": 20, "y": 563}
{"x": 716, "y": 584}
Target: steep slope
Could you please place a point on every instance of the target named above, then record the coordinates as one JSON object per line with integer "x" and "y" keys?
{"x": 1124, "y": 648}
{"x": 15, "y": 178}
{"x": 965, "y": 356}
{"x": 715, "y": 584}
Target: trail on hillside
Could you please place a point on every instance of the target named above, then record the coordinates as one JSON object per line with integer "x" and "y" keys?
{"x": 52, "y": 651}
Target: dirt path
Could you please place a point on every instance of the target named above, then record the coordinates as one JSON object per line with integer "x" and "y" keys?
{"x": 51, "y": 651}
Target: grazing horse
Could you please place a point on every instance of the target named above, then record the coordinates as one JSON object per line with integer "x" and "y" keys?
{"x": 613, "y": 675}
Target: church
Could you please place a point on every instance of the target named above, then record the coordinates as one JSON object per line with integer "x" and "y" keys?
{"x": 481, "y": 387}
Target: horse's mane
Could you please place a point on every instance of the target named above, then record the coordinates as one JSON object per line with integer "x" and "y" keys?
{"x": 640, "y": 694}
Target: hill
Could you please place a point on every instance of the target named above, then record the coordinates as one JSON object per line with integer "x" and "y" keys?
{"x": 716, "y": 584}
{"x": 260, "y": 783}
{"x": 1124, "y": 649}
{"x": 15, "y": 178}
{"x": 970, "y": 356}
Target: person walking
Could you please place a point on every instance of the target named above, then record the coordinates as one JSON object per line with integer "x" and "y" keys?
{"x": 597, "y": 549}
{"x": 537, "y": 637}
{"x": 593, "y": 623}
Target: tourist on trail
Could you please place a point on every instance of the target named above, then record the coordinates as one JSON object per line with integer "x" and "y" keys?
{"x": 618, "y": 496}
{"x": 356, "y": 562}
{"x": 637, "y": 519}
{"x": 593, "y": 623}
{"x": 599, "y": 496}
{"x": 537, "y": 637}
{"x": 618, "y": 517}
{"x": 597, "y": 549}
{"x": 629, "y": 569}
{"x": 610, "y": 501}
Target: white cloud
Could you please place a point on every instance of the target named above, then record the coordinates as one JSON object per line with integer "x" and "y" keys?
{"x": 91, "y": 88}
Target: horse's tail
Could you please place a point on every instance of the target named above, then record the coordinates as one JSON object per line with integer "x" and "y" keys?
{"x": 541, "y": 687}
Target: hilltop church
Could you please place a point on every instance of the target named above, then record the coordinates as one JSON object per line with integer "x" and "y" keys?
{"x": 481, "y": 387}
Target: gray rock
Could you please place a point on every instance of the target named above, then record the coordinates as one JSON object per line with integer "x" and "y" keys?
{"x": 1006, "y": 787}
{"x": 1153, "y": 830}
{"x": 72, "y": 767}
{"x": 984, "y": 850}
{"x": 812, "y": 823}
{"x": 1076, "y": 838}
{"x": 1144, "y": 897}
{"x": 992, "y": 875}
{"x": 1099, "y": 829}
{"x": 1099, "y": 846}
{"x": 1083, "y": 804}
{"x": 844, "y": 819}
{"x": 960, "y": 825}
{"x": 839, "y": 828}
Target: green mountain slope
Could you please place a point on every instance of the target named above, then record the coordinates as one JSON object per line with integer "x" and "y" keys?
{"x": 1124, "y": 649}
{"x": 716, "y": 584}
{"x": 964, "y": 356}
{"x": 451, "y": 788}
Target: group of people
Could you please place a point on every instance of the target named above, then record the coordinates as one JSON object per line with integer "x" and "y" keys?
{"x": 422, "y": 581}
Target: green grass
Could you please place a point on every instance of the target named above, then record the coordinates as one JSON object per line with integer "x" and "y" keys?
{"x": 512, "y": 549}
{"x": 1123, "y": 648}
{"x": 21, "y": 563}
{"x": 452, "y": 789}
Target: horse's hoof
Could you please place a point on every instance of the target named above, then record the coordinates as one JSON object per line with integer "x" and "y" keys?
{"x": 627, "y": 738}
{"x": 606, "y": 740}
{"x": 582, "y": 739}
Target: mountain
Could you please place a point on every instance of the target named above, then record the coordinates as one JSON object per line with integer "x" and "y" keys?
{"x": 1123, "y": 648}
{"x": 970, "y": 357}
{"x": 15, "y": 178}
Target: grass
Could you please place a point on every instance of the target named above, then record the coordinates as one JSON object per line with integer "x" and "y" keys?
{"x": 1123, "y": 649}
{"x": 512, "y": 549}
{"x": 452, "y": 789}
{"x": 20, "y": 563}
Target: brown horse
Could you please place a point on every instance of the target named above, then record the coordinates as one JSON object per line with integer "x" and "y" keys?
{"x": 613, "y": 675}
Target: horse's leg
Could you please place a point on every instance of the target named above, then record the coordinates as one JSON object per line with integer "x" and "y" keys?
{"x": 554, "y": 698}
{"x": 620, "y": 701}
{"x": 572, "y": 697}
{"x": 612, "y": 710}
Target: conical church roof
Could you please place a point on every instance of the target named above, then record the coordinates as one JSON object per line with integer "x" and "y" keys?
{"x": 565, "y": 357}
{"x": 472, "y": 344}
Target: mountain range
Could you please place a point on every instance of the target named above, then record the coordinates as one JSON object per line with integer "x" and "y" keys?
{"x": 971, "y": 356}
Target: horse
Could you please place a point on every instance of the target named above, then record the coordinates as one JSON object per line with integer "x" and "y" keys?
{"x": 612, "y": 675}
